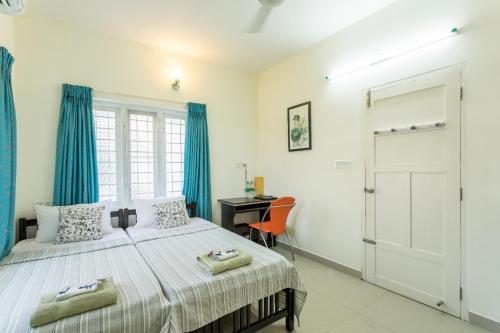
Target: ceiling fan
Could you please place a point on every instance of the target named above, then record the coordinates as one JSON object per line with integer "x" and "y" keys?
{"x": 12, "y": 7}
{"x": 260, "y": 18}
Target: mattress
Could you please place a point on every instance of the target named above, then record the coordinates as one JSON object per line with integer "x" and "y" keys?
{"x": 199, "y": 298}
{"x": 34, "y": 269}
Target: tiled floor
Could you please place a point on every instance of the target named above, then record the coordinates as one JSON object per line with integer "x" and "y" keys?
{"x": 338, "y": 303}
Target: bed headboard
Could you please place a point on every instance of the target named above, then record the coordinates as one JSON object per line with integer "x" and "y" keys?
{"x": 25, "y": 223}
{"x": 191, "y": 208}
{"x": 122, "y": 215}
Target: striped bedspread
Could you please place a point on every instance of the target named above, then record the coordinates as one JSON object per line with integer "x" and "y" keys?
{"x": 27, "y": 275}
{"x": 199, "y": 298}
{"x": 33, "y": 253}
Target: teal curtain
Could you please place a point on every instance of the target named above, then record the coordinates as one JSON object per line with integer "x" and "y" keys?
{"x": 197, "y": 161}
{"x": 7, "y": 154}
{"x": 76, "y": 179}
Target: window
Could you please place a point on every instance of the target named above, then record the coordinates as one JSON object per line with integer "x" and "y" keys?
{"x": 140, "y": 152}
{"x": 107, "y": 158}
{"x": 174, "y": 152}
{"x": 142, "y": 155}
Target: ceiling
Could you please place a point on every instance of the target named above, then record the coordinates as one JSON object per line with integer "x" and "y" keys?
{"x": 213, "y": 30}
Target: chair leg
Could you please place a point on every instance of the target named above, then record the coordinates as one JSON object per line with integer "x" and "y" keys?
{"x": 250, "y": 237}
{"x": 291, "y": 246}
{"x": 263, "y": 238}
{"x": 272, "y": 239}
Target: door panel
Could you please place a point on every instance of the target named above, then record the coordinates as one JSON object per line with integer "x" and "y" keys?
{"x": 435, "y": 274}
{"x": 410, "y": 148}
{"x": 413, "y": 165}
{"x": 428, "y": 194}
{"x": 420, "y": 106}
{"x": 391, "y": 208}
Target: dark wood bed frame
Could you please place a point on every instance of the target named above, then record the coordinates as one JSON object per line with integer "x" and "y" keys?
{"x": 268, "y": 312}
{"x": 121, "y": 214}
{"x": 268, "y": 308}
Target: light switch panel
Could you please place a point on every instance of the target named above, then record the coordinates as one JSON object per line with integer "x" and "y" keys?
{"x": 343, "y": 164}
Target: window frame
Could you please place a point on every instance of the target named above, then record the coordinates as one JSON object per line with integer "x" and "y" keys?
{"x": 122, "y": 111}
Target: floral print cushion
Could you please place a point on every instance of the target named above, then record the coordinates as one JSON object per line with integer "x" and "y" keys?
{"x": 170, "y": 214}
{"x": 79, "y": 224}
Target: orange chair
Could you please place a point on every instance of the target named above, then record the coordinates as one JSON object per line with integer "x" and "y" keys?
{"x": 279, "y": 210}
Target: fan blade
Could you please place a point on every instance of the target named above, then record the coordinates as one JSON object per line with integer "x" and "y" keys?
{"x": 259, "y": 20}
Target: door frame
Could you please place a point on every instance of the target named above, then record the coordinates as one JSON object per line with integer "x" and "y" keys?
{"x": 462, "y": 68}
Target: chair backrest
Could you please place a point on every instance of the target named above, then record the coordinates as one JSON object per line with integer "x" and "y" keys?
{"x": 279, "y": 210}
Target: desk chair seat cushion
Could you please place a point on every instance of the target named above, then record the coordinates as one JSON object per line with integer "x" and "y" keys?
{"x": 266, "y": 227}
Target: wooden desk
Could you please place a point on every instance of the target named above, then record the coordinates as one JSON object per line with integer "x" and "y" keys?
{"x": 231, "y": 207}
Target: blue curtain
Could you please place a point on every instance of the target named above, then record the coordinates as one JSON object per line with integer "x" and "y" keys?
{"x": 197, "y": 161}
{"x": 76, "y": 179}
{"x": 7, "y": 154}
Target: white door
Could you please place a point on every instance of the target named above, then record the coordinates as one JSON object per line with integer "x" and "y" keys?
{"x": 413, "y": 189}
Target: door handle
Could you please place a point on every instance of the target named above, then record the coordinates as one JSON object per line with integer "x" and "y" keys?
{"x": 369, "y": 190}
{"x": 369, "y": 241}
{"x": 440, "y": 303}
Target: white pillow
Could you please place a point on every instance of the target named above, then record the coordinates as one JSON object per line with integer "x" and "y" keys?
{"x": 48, "y": 220}
{"x": 145, "y": 213}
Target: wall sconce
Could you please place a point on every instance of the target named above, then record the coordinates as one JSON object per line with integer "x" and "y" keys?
{"x": 245, "y": 166}
{"x": 176, "y": 85}
{"x": 176, "y": 74}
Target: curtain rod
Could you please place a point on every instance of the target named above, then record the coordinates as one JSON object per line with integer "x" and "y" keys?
{"x": 140, "y": 97}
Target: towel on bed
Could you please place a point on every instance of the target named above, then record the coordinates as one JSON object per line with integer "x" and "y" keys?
{"x": 214, "y": 266}
{"x": 49, "y": 309}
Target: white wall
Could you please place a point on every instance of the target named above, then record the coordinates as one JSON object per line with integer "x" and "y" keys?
{"x": 329, "y": 217}
{"x": 7, "y": 40}
{"x": 7, "y": 32}
{"x": 51, "y": 53}
{"x": 330, "y": 213}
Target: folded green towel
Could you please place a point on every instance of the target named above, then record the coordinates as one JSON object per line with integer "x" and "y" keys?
{"x": 49, "y": 310}
{"x": 215, "y": 266}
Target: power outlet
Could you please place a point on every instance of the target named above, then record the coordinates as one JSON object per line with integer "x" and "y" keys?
{"x": 343, "y": 164}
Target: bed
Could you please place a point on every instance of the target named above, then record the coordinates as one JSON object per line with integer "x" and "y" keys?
{"x": 253, "y": 296}
{"x": 33, "y": 269}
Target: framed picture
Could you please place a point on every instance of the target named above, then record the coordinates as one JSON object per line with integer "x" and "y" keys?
{"x": 299, "y": 127}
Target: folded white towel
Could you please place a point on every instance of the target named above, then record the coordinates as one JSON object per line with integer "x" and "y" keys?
{"x": 222, "y": 255}
{"x": 72, "y": 291}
